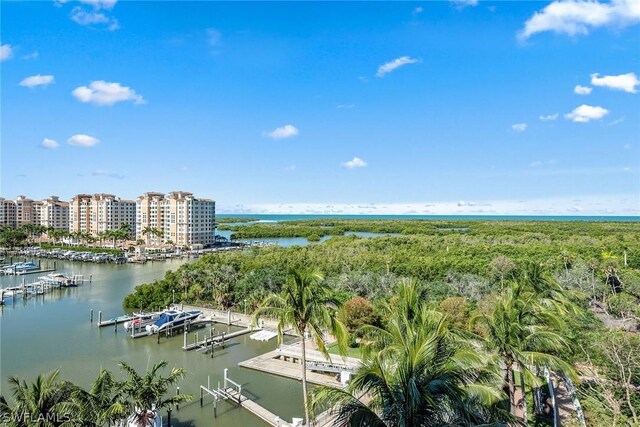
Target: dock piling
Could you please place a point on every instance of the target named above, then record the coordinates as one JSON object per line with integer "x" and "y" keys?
{"x": 91, "y": 316}
{"x": 115, "y": 327}
{"x": 177, "y": 393}
{"x": 185, "y": 340}
{"x": 99, "y": 317}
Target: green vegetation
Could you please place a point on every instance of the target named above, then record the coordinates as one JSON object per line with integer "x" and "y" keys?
{"x": 232, "y": 220}
{"x": 511, "y": 294}
{"x": 52, "y": 402}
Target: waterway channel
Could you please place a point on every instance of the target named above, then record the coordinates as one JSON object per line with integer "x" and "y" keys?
{"x": 53, "y": 331}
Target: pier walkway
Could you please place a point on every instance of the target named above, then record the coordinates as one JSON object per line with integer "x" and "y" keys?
{"x": 213, "y": 340}
{"x": 231, "y": 391}
{"x": 285, "y": 362}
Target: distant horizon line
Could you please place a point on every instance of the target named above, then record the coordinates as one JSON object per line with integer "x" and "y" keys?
{"x": 245, "y": 214}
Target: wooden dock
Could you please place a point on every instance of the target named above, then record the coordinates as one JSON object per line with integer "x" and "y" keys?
{"x": 271, "y": 363}
{"x": 213, "y": 340}
{"x": 285, "y": 362}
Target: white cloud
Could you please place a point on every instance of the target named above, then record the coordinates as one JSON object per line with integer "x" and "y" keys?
{"x": 622, "y": 204}
{"x": 33, "y": 55}
{"x": 345, "y": 106}
{"x": 582, "y": 90}
{"x": 616, "y": 121}
{"x": 290, "y": 168}
{"x": 81, "y": 140}
{"x": 93, "y": 18}
{"x": 627, "y": 146}
{"x": 418, "y": 10}
{"x": 286, "y": 131}
{"x": 100, "y": 4}
{"x": 356, "y": 162}
{"x": 37, "y": 80}
{"x": 549, "y": 117}
{"x": 519, "y": 127}
{"x": 574, "y": 17}
{"x": 100, "y": 92}
{"x": 461, "y": 4}
{"x": 395, "y": 64}
{"x": 108, "y": 174}
{"x": 538, "y": 163}
{"x": 49, "y": 143}
{"x": 213, "y": 36}
{"x": 625, "y": 82}
{"x": 6, "y": 52}
{"x": 586, "y": 113}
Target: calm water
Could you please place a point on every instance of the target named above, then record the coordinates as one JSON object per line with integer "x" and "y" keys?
{"x": 44, "y": 333}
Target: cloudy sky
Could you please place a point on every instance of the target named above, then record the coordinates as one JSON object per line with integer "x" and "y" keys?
{"x": 391, "y": 107}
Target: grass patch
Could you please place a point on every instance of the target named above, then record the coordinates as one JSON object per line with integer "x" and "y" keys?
{"x": 351, "y": 352}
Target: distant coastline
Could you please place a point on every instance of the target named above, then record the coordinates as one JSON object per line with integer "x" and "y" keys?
{"x": 298, "y": 217}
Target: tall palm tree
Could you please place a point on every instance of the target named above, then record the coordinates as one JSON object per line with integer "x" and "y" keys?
{"x": 416, "y": 372}
{"x": 104, "y": 403}
{"x": 150, "y": 391}
{"x": 308, "y": 306}
{"x": 525, "y": 333}
{"x": 41, "y": 403}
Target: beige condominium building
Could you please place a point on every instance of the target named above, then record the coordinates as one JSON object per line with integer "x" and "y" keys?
{"x": 101, "y": 212}
{"x": 178, "y": 217}
{"x": 8, "y": 212}
{"x": 50, "y": 212}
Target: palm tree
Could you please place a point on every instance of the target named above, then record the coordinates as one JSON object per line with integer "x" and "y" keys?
{"x": 308, "y": 306}
{"x": 42, "y": 403}
{"x": 149, "y": 391}
{"x": 103, "y": 235}
{"x": 416, "y": 372}
{"x": 525, "y": 332}
{"x": 152, "y": 231}
{"x": 104, "y": 403}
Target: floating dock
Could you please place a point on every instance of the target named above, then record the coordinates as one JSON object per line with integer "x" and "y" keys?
{"x": 114, "y": 320}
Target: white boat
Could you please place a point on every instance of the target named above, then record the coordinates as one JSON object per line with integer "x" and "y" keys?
{"x": 58, "y": 279}
{"x": 141, "y": 320}
{"x": 170, "y": 319}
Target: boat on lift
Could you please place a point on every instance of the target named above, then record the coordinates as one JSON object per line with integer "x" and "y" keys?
{"x": 141, "y": 320}
{"x": 170, "y": 319}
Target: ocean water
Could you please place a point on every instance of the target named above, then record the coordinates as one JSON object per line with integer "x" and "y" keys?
{"x": 290, "y": 217}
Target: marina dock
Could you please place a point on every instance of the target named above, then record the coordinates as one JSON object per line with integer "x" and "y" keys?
{"x": 285, "y": 362}
{"x": 232, "y": 392}
{"x": 212, "y": 340}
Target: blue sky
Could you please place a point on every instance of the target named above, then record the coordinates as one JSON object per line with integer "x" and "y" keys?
{"x": 388, "y": 107}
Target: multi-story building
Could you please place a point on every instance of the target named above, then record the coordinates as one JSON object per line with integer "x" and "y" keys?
{"x": 52, "y": 213}
{"x": 8, "y": 212}
{"x": 179, "y": 217}
{"x": 150, "y": 218}
{"x": 101, "y": 212}
{"x": 24, "y": 211}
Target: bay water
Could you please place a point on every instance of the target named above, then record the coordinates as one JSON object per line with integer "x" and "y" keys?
{"x": 43, "y": 333}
